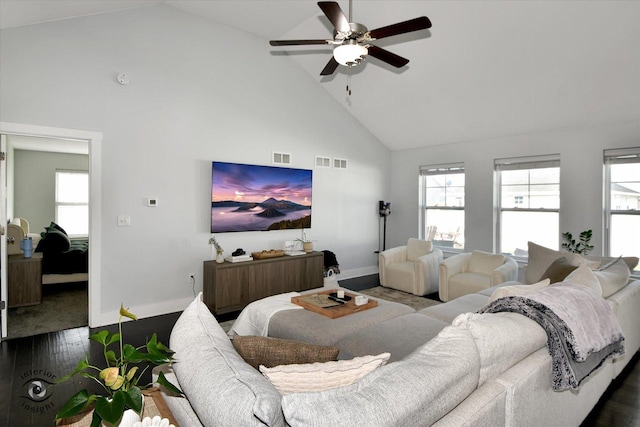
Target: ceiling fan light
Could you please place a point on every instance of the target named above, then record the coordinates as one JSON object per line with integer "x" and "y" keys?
{"x": 349, "y": 54}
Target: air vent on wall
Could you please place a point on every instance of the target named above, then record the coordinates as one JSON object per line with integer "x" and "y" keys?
{"x": 339, "y": 163}
{"x": 323, "y": 162}
{"x": 281, "y": 158}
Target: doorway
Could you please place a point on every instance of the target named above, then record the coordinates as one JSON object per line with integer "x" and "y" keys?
{"x": 91, "y": 141}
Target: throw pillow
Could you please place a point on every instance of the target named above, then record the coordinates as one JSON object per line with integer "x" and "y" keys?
{"x": 312, "y": 377}
{"x": 417, "y": 248}
{"x": 57, "y": 227}
{"x": 558, "y": 270}
{"x": 270, "y": 352}
{"x": 540, "y": 258}
{"x": 517, "y": 290}
{"x": 484, "y": 262}
{"x": 613, "y": 277}
{"x": 54, "y": 241}
{"x": 585, "y": 277}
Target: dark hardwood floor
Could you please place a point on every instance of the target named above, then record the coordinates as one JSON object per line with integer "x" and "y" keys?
{"x": 30, "y": 365}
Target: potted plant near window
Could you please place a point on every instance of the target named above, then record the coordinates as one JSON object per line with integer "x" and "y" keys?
{"x": 122, "y": 395}
{"x": 582, "y": 246}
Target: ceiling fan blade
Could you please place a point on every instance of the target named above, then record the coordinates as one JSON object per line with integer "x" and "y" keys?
{"x": 335, "y": 15}
{"x": 330, "y": 67}
{"x": 416, "y": 24}
{"x": 297, "y": 42}
{"x": 388, "y": 57}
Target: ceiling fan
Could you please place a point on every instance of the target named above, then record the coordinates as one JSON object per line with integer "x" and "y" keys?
{"x": 352, "y": 40}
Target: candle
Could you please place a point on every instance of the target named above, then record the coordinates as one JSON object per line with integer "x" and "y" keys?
{"x": 340, "y": 294}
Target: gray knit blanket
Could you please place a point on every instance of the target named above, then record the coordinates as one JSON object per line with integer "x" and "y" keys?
{"x": 582, "y": 330}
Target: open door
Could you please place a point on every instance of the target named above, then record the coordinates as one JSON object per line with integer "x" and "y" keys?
{"x": 4, "y": 294}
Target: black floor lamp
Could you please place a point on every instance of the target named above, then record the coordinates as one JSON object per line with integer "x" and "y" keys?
{"x": 384, "y": 211}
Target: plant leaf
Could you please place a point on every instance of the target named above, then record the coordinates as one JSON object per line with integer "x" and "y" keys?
{"x": 82, "y": 365}
{"x": 74, "y": 405}
{"x": 132, "y": 354}
{"x": 95, "y": 420}
{"x": 111, "y": 358}
{"x": 111, "y": 411}
{"x": 133, "y": 399}
{"x": 162, "y": 380}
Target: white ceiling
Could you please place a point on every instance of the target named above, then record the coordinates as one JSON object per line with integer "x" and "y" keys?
{"x": 486, "y": 69}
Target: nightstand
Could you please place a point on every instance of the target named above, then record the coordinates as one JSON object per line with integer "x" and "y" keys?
{"x": 25, "y": 280}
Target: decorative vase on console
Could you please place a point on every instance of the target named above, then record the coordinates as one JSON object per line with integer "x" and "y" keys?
{"x": 219, "y": 257}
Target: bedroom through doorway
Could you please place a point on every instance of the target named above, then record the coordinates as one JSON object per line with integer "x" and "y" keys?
{"x": 47, "y": 188}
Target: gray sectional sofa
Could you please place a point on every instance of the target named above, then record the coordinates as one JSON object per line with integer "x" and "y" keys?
{"x": 447, "y": 368}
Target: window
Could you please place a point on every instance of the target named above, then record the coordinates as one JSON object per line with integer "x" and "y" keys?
{"x": 622, "y": 196}
{"x": 528, "y": 202}
{"x": 442, "y": 202}
{"x": 72, "y": 202}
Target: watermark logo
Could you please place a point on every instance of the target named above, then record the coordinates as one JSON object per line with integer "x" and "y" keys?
{"x": 37, "y": 390}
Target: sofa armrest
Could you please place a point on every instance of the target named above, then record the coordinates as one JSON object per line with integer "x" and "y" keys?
{"x": 426, "y": 270}
{"x": 505, "y": 273}
{"x": 448, "y": 267}
{"x": 397, "y": 254}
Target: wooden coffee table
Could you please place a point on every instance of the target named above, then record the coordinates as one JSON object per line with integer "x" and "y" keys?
{"x": 154, "y": 405}
{"x": 335, "y": 309}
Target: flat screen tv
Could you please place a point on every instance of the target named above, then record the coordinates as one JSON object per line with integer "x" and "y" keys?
{"x": 259, "y": 198}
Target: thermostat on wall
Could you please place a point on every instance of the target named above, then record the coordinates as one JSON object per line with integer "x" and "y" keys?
{"x": 152, "y": 201}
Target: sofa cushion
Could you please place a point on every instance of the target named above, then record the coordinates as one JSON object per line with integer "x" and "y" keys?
{"x": 399, "y": 336}
{"x": 517, "y": 290}
{"x": 271, "y": 352}
{"x": 416, "y": 391}
{"x": 449, "y": 311}
{"x": 584, "y": 276}
{"x": 613, "y": 277}
{"x": 417, "y": 248}
{"x": 204, "y": 353}
{"x": 494, "y": 335}
{"x": 484, "y": 262}
{"x": 312, "y": 377}
{"x": 540, "y": 258}
{"x": 631, "y": 261}
{"x": 558, "y": 270}
{"x": 467, "y": 283}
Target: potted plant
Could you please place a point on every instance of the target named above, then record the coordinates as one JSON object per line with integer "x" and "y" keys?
{"x": 582, "y": 246}
{"x": 118, "y": 378}
{"x": 219, "y": 251}
{"x": 307, "y": 245}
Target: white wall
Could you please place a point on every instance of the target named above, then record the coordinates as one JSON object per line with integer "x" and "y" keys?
{"x": 581, "y": 179}
{"x": 199, "y": 92}
{"x": 35, "y": 184}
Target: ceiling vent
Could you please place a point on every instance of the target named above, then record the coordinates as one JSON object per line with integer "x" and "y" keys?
{"x": 339, "y": 163}
{"x": 323, "y": 162}
{"x": 281, "y": 158}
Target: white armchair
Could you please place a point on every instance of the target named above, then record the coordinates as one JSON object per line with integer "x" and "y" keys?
{"x": 412, "y": 268}
{"x": 17, "y": 230}
{"x": 468, "y": 273}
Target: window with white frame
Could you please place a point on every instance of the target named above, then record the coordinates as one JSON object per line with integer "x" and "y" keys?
{"x": 72, "y": 201}
{"x": 622, "y": 202}
{"x": 528, "y": 202}
{"x": 442, "y": 204}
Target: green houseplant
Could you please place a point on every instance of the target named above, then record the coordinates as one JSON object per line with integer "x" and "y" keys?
{"x": 119, "y": 378}
{"x": 582, "y": 246}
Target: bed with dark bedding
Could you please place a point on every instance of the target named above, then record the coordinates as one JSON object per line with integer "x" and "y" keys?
{"x": 64, "y": 260}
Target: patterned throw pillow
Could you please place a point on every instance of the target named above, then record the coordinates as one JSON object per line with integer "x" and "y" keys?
{"x": 271, "y": 352}
{"x": 315, "y": 377}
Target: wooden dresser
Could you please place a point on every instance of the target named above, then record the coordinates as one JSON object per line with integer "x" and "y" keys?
{"x": 229, "y": 287}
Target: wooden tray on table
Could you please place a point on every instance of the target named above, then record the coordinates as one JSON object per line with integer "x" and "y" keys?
{"x": 273, "y": 253}
{"x": 320, "y": 303}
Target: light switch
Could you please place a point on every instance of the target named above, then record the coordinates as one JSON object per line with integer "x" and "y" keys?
{"x": 124, "y": 220}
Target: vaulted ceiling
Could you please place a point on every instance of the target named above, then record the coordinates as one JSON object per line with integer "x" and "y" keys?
{"x": 485, "y": 69}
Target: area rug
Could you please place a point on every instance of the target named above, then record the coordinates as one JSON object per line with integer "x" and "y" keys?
{"x": 413, "y": 301}
{"x": 63, "y": 306}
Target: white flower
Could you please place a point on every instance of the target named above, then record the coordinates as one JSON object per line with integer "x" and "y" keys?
{"x": 155, "y": 422}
